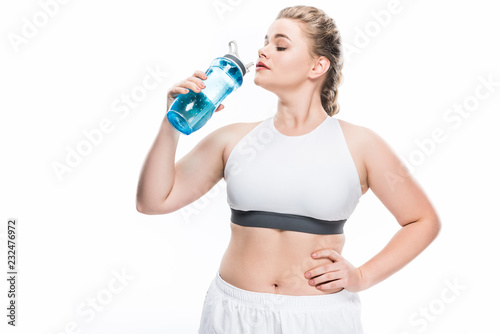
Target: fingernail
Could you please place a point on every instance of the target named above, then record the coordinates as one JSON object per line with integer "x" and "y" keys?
{"x": 314, "y": 254}
{"x": 308, "y": 275}
{"x": 311, "y": 281}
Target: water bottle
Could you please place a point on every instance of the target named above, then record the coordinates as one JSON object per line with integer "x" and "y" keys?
{"x": 189, "y": 112}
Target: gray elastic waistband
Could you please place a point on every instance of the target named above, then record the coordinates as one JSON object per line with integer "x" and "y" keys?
{"x": 286, "y": 221}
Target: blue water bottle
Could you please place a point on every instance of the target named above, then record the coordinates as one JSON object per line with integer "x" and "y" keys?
{"x": 189, "y": 112}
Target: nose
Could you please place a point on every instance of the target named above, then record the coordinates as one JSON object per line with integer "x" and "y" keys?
{"x": 262, "y": 53}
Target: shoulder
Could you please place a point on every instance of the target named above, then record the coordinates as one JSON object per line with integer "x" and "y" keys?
{"x": 373, "y": 152}
{"x": 229, "y": 135}
{"x": 357, "y": 132}
{"x": 384, "y": 169}
{"x": 364, "y": 139}
{"x": 228, "y": 132}
{"x": 233, "y": 131}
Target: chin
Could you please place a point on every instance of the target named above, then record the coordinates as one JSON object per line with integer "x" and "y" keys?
{"x": 271, "y": 87}
{"x": 261, "y": 83}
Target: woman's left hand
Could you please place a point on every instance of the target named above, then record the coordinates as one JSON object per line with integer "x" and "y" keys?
{"x": 332, "y": 276}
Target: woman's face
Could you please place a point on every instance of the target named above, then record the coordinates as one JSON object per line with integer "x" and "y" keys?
{"x": 286, "y": 56}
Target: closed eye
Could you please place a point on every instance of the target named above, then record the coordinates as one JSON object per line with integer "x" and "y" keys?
{"x": 279, "y": 48}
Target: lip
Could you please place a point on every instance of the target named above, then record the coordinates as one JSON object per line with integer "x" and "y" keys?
{"x": 261, "y": 66}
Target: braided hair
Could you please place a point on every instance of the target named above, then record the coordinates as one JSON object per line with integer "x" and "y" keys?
{"x": 324, "y": 38}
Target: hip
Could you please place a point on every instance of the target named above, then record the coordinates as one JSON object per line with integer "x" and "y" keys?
{"x": 229, "y": 309}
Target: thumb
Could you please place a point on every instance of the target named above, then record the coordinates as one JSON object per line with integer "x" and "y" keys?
{"x": 328, "y": 253}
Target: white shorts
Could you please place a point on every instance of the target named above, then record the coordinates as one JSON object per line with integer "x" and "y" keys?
{"x": 231, "y": 310}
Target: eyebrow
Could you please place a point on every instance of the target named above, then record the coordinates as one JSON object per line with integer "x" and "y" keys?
{"x": 278, "y": 35}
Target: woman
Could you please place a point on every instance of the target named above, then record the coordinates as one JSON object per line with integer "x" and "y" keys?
{"x": 292, "y": 181}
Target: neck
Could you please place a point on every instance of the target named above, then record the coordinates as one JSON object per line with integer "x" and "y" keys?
{"x": 299, "y": 108}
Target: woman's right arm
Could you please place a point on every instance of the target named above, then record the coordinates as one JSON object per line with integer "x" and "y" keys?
{"x": 165, "y": 186}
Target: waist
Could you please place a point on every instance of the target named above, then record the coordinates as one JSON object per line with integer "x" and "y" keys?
{"x": 284, "y": 302}
{"x": 274, "y": 261}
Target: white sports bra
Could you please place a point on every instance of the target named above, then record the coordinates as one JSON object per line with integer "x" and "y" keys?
{"x": 307, "y": 183}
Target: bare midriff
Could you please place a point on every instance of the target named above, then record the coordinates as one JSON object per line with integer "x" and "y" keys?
{"x": 275, "y": 261}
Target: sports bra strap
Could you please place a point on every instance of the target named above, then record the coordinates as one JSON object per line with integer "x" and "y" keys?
{"x": 287, "y": 221}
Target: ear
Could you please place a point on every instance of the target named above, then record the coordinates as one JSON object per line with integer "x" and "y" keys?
{"x": 321, "y": 66}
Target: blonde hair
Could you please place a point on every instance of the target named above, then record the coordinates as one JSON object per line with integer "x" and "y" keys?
{"x": 325, "y": 40}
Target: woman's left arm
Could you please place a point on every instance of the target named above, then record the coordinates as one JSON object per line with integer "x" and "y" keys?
{"x": 392, "y": 183}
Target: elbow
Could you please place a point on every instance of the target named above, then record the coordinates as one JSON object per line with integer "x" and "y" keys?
{"x": 433, "y": 226}
{"x": 430, "y": 226}
{"x": 437, "y": 225}
{"x": 141, "y": 209}
{"x": 150, "y": 209}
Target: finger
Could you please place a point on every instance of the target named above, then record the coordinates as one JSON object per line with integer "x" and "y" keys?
{"x": 191, "y": 84}
{"x": 194, "y": 83}
{"x": 200, "y": 74}
{"x": 220, "y": 107}
{"x": 331, "y": 285}
{"x": 175, "y": 91}
{"x": 325, "y": 268}
{"x": 197, "y": 78}
{"x": 197, "y": 81}
{"x": 328, "y": 253}
{"x": 326, "y": 277}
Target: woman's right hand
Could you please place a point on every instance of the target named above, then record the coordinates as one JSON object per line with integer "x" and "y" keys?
{"x": 194, "y": 82}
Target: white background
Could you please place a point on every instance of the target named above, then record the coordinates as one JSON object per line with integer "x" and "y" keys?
{"x": 76, "y": 231}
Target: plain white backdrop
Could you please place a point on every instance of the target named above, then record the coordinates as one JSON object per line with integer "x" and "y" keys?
{"x": 88, "y": 262}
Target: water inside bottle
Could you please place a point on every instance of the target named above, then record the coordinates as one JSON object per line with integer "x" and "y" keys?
{"x": 219, "y": 83}
{"x": 191, "y": 111}
{"x": 196, "y": 109}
